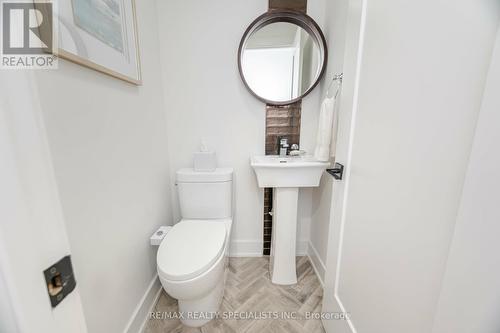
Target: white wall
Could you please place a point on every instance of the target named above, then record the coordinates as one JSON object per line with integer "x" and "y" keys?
{"x": 335, "y": 30}
{"x": 205, "y": 98}
{"x": 110, "y": 154}
{"x": 470, "y": 296}
{"x": 421, "y": 83}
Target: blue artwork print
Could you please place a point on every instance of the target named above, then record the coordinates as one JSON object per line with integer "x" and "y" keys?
{"x": 102, "y": 19}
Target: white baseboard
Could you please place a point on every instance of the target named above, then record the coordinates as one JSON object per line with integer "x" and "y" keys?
{"x": 246, "y": 248}
{"x": 316, "y": 262}
{"x": 139, "y": 318}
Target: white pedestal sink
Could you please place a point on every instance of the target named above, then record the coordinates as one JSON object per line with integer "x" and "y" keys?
{"x": 286, "y": 175}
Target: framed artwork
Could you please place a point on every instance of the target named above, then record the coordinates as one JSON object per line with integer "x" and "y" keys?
{"x": 101, "y": 35}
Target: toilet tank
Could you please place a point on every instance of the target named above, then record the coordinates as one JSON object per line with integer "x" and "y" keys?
{"x": 205, "y": 195}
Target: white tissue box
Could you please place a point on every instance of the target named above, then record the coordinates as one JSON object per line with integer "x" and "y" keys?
{"x": 205, "y": 161}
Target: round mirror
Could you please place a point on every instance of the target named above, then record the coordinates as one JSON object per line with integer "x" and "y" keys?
{"x": 282, "y": 57}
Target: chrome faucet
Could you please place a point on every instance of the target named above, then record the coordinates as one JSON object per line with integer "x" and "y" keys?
{"x": 283, "y": 147}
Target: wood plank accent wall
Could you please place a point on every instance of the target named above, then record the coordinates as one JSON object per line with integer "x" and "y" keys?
{"x": 298, "y": 5}
{"x": 280, "y": 121}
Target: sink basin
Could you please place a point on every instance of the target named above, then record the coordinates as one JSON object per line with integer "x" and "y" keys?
{"x": 286, "y": 175}
{"x": 300, "y": 171}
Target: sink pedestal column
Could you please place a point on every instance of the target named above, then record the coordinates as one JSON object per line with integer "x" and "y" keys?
{"x": 282, "y": 262}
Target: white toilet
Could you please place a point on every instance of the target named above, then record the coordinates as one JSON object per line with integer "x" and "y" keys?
{"x": 192, "y": 257}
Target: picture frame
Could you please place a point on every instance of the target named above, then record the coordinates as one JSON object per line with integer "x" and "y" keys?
{"x": 101, "y": 35}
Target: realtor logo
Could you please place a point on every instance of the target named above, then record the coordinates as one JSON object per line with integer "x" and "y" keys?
{"x": 27, "y": 35}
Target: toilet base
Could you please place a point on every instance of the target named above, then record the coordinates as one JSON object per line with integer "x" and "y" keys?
{"x": 198, "y": 312}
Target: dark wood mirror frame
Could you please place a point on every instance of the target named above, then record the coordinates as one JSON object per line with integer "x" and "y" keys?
{"x": 300, "y": 19}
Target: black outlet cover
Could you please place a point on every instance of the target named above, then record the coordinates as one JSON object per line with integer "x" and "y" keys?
{"x": 60, "y": 280}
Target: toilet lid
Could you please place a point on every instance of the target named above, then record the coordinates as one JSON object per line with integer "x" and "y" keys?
{"x": 190, "y": 248}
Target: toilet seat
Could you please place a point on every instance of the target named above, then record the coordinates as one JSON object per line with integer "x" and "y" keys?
{"x": 191, "y": 248}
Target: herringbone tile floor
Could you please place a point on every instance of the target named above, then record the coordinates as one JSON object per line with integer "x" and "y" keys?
{"x": 249, "y": 289}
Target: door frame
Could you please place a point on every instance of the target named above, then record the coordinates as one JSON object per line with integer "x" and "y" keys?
{"x": 32, "y": 229}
